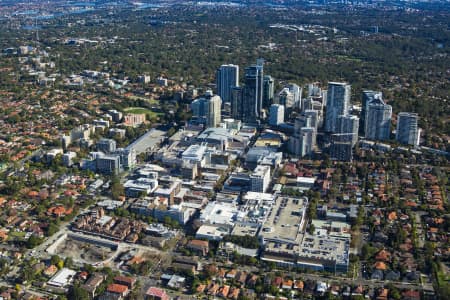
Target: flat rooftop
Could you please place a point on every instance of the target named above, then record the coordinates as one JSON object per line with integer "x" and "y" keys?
{"x": 285, "y": 221}
{"x": 325, "y": 247}
{"x": 147, "y": 141}
{"x": 219, "y": 213}
{"x": 63, "y": 278}
{"x": 245, "y": 229}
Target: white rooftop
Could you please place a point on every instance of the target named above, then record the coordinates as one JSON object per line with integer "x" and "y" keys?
{"x": 219, "y": 213}
{"x": 63, "y": 278}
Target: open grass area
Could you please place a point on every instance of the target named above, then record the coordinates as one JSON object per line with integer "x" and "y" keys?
{"x": 138, "y": 110}
{"x": 16, "y": 235}
{"x": 143, "y": 110}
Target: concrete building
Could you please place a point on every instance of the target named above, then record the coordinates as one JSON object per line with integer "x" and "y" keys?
{"x": 348, "y": 124}
{"x": 195, "y": 154}
{"x": 137, "y": 187}
{"x": 227, "y": 77}
{"x": 79, "y": 133}
{"x": 68, "y": 157}
{"x": 232, "y": 124}
{"x": 207, "y": 109}
{"x": 106, "y": 145}
{"x": 313, "y": 115}
{"x": 134, "y": 119}
{"x": 237, "y": 94}
{"x": 181, "y": 214}
{"x": 341, "y": 148}
{"x": 260, "y": 179}
{"x": 63, "y": 278}
{"x": 408, "y": 132}
{"x": 281, "y": 232}
{"x": 259, "y": 155}
{"x": 286, "y": 97}
{"x": 212, "y": 232}
{"x": 338, "y": 103}
{"x": 276, "y": 115}
{"x": 162, "y": 81}
{"x": 144, "y": 79}
{"x": 108, "y": 164}
{"x": 116, "y": 132}
{"x": 367, "y": 97}
{"x": 303, "y": 141}
{"x": 168, "y": 188}
{"x": 223, "y": 214}
{"x": 325, "y": 252}
{"x": 116, "y": 115}
{"x": 101, "y": 124}
{"x": 377, "y": 120}
{"x": 268, "y": 90}
{"x": 127, "y": 157}
{"x": 297, "y": 92}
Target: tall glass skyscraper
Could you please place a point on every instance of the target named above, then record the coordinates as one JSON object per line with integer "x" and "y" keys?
{"x": 253, "y": 91}
{"x": 227, "y": 77}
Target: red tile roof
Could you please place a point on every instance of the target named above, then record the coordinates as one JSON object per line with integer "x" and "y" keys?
{"x": 156, "y": 292}
{"x": 117, "y": 288}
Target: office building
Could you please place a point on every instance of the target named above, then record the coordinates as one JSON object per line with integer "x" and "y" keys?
{"x": 108, "y": 164}
{"x": 276, "y": 115}
{"x": 367, "y": 97}
{"x": 286, "y": 98}
{"x": 307, "y": 141}
{"x": 116, "y": 115}
{"x": 313, "y": 116}
{"x": 127, "y": 157}
{"x": 260, "y": 179}
{"x": 237, "y": 102}
{"x": 377, "y": 118}
{"x": 348, "y": 124}
{"x": 68, "y": 158}
{"x": 303, "y": 141}
{"x": 227, "y": 77}
{"x": 253, "y": 92}
{"x": 106, "y": 145}
{"x": 338, "y": 102}
{"x": 207, "y": 109}
{"x": 297, "y": 92}
{"x": 341, "y": 148}
{"x": 408, "y": 131}
{"x": 314, "y": 90}
{"x": 268, "y": 90}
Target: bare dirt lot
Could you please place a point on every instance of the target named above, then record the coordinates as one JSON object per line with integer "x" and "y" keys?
{"x": 85, "y": 252}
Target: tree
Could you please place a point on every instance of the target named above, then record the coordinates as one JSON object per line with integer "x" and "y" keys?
{"x": 68, "y": 262}
{"x": 54, "y": 259}
{"x": 60, "y": 264}
{"x": 77, "y": 293}
{"x": 117, "y": 189}
{"x": 367, "y": 251}
{"x": 52, "y": 229}
{"x": 33, "y": 241}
